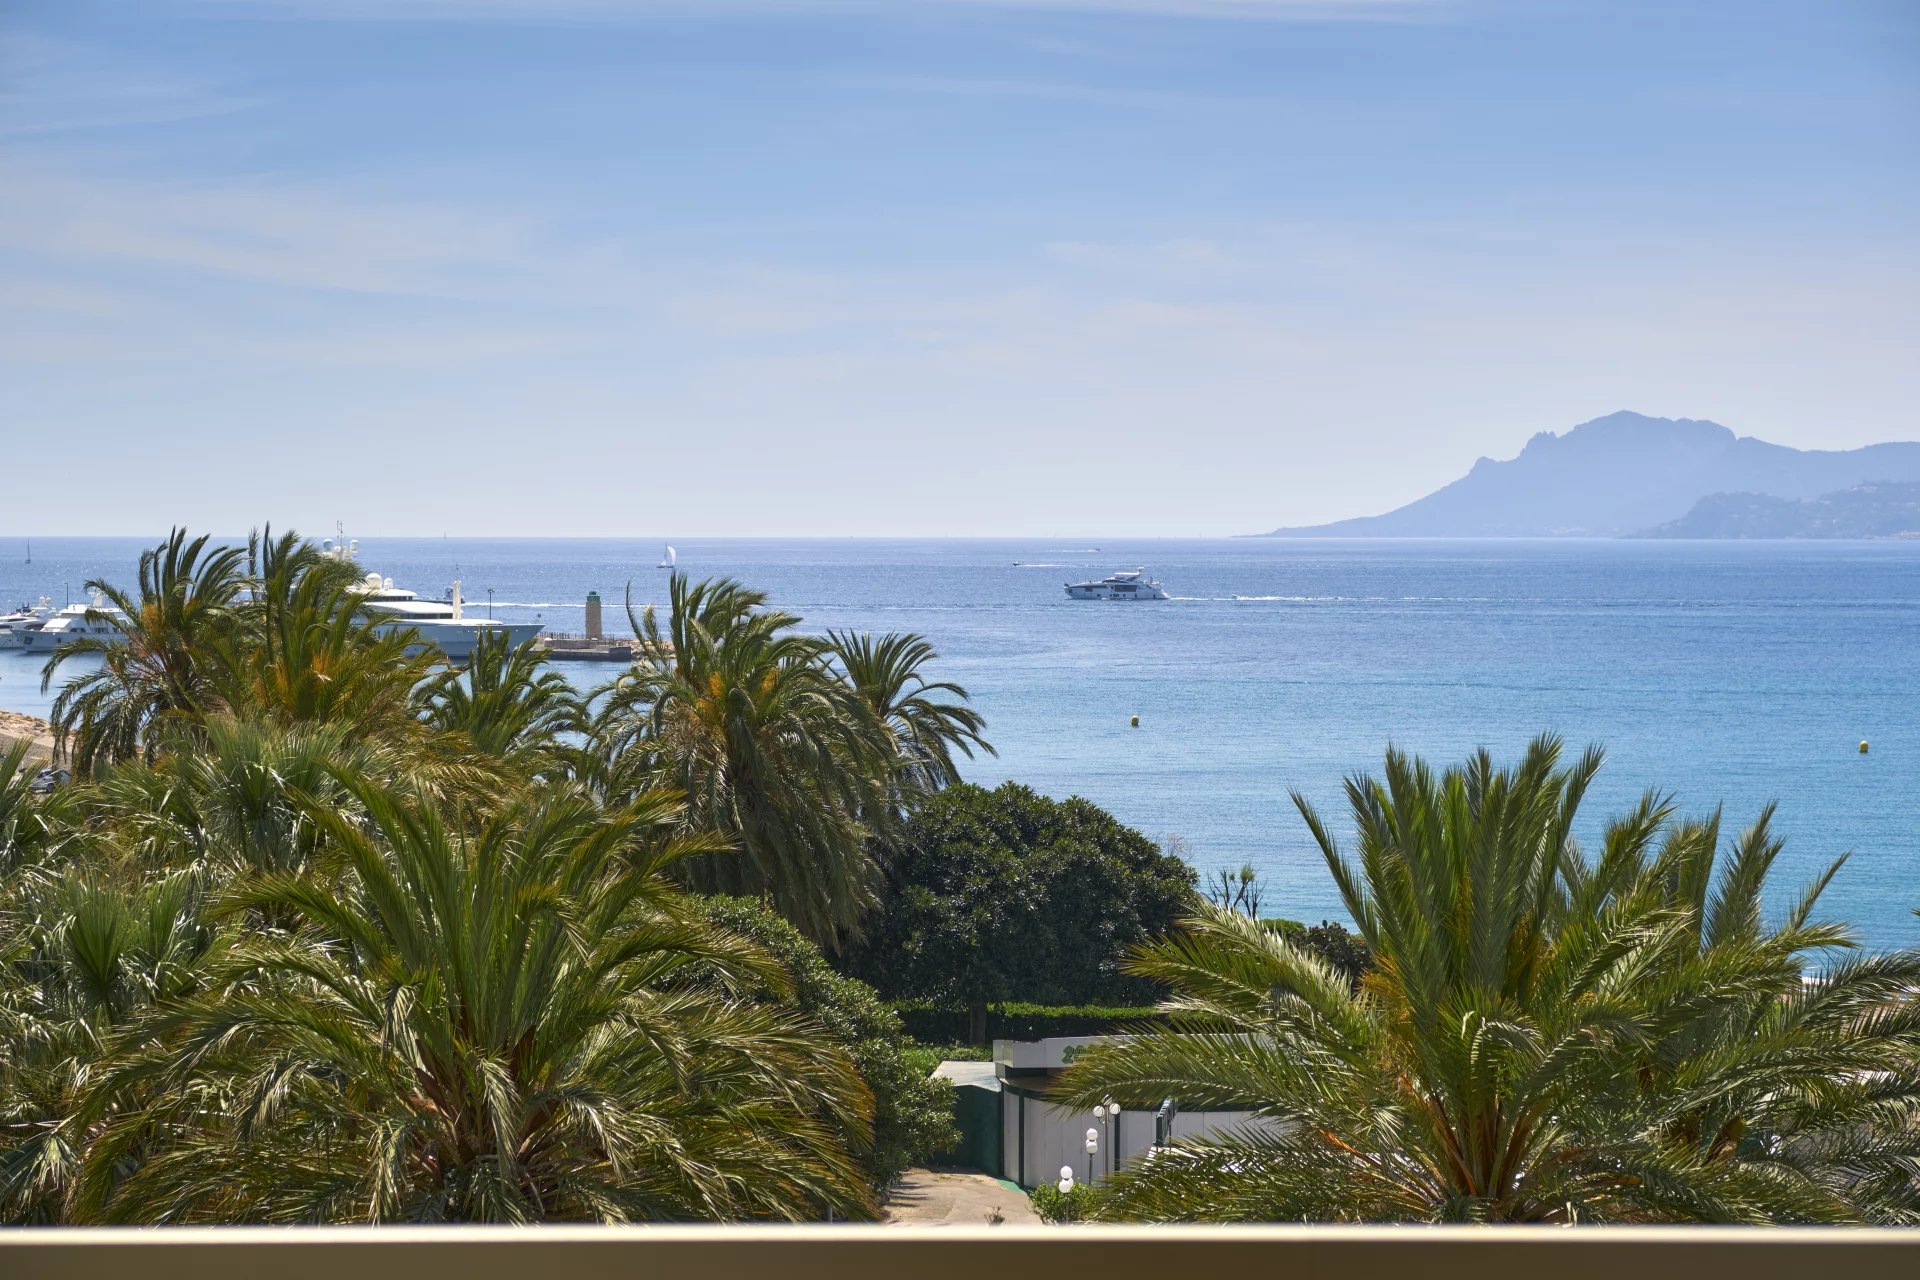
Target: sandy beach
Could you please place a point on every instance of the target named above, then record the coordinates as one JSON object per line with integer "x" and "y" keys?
{"x": 14, "y": 726}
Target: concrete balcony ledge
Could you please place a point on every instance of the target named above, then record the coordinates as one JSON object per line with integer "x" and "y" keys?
{"x": 951, "y": 1253}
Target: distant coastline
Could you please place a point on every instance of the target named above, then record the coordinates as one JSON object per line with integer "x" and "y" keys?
{"x": 1628, "y": 475}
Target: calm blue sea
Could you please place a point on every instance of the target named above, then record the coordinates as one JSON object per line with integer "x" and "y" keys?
{"x": 1729, "y": 673}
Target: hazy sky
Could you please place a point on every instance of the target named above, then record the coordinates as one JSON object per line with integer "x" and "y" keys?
{"x": 699, "y": 267}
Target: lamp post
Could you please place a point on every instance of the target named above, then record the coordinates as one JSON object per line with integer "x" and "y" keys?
{"x": 1066, "y": 1191}
{"x": 1093, "y": 1145}
{"x": 1107, "y": 1113}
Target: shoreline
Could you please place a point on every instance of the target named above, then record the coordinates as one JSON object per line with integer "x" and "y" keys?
{"x": 15, "y": 726}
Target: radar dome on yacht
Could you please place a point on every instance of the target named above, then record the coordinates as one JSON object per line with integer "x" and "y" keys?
{"x": 386, "y": 584}
{"x": 373, "y": 580}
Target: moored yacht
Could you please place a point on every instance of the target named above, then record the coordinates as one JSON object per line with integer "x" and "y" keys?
{"x": 28, "y": 617}
{"x": 440, "y": 623}
{"x": 1129, "y": 584}
{"x": 93, "y": 620}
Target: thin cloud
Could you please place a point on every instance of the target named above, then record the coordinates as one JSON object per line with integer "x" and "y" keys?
{"x": 58, "y": 86}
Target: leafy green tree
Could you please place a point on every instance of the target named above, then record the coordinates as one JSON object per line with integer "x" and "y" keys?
{"x": 1336, "y": 944}
{"x": 912, "y": 1113}
{"x": 473, "y": 1024}
{"x": 1008, "y": 895}
{"x": 160, "y": 662}
{"x": 1544, "y": 1036}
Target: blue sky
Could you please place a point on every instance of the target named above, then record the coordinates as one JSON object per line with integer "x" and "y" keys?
{"x": 710, "y": 267}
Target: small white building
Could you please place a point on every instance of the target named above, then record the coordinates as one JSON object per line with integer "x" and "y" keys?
{"x": 1037, "y": 1136}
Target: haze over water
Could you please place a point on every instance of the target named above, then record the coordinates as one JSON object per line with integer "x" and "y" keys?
{"x": 1726, "y": 672}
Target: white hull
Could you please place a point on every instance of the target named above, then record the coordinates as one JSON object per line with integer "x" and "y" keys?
{"x": 457, "y": 640}
{"x": 72, "y": 623}
{"x": 1134, "y": 584}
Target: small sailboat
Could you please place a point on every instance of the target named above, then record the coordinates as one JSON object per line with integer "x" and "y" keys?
{"x": 669, "y": 558}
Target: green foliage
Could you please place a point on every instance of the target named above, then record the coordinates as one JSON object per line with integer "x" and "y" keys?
{"x": 779, "y": 751}
{"x": 274, "y": 631}
{"x": 473, "y": 1024}
{"x": 912, "y": 1113}
{"x": 163, "y": 660}
{"x": 328, "y": 931}
{"x": 502, "y": 702}
{"x": 925, "y": 721}
{"x": 1008, "y": 895}
{"x": 1546, "y": 1035}
{"x": 1019, "y": 1020}
{"x": 1077, "y": 1204}
{"x": 1339, "y": 946}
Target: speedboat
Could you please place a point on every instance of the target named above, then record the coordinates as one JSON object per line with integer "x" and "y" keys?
{"x": 94, "y": 620}
{"x": 28, "y": 617}
{"x": 1128, "y": 584}
{"x": 441, "y": 624}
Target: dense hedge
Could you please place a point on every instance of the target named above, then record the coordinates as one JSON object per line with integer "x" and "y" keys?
{"x": 1015, "y": 1021}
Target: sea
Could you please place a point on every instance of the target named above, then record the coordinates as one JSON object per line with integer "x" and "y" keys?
{"x": 1729, "y": 674}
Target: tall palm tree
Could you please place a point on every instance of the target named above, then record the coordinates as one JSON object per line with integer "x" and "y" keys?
{"x": 162, "y": 660}
{"x": 925, "y": 720}
{"x": 476, "y": 1025}
{"x": 309, "y": 653}
{"x": 1543, "y": 1038}
{"x": 746, "y": 715}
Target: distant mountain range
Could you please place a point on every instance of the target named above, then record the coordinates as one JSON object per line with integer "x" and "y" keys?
{"x": 1864, "y": 511}
{"x": 1622, "y": 475}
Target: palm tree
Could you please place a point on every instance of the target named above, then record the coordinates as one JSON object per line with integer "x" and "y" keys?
{"x": 162, "y": 660}
{"x": 33, "y": 828}
{"x": 309, "y": 654}
{"x": 238, "y": 802}
{"x": 1543, "y": 1037}
{"x": 776, "y": 754}
{"x": 478, "y": 1025}
{"x": 83, "y": 956}
{"x": 503, "y": 702}
{"x": 925, "y": 720}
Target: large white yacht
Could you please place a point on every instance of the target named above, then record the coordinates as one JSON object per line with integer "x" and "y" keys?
{"x": 28, "y": 617}
{"x": 94, "y": 619}
{"x": 440, "y": 623}
{"x": 1129, "y": 584}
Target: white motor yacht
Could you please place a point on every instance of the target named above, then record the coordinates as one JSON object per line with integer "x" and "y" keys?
{"x": 93, "y": 620}
{"x": 28, "y": 617}
{"x": 1129, "y": 584}
{"x": 442, "y": 624}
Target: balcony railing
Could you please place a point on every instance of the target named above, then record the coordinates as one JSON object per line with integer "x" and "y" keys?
{"x": 961, "y": 1253}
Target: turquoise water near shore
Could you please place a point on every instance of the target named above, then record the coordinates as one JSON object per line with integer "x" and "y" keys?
{"x": 1732, "y": 673}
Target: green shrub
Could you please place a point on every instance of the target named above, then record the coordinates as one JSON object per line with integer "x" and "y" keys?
{"x": 1075, "y": 1206}
{"x": 912, "y": 1114}
{"x": 1016, "y": 1021}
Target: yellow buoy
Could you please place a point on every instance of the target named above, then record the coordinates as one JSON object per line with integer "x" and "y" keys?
{"x": 1135, "y": 722}
{"x": 1863, "y": 746}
